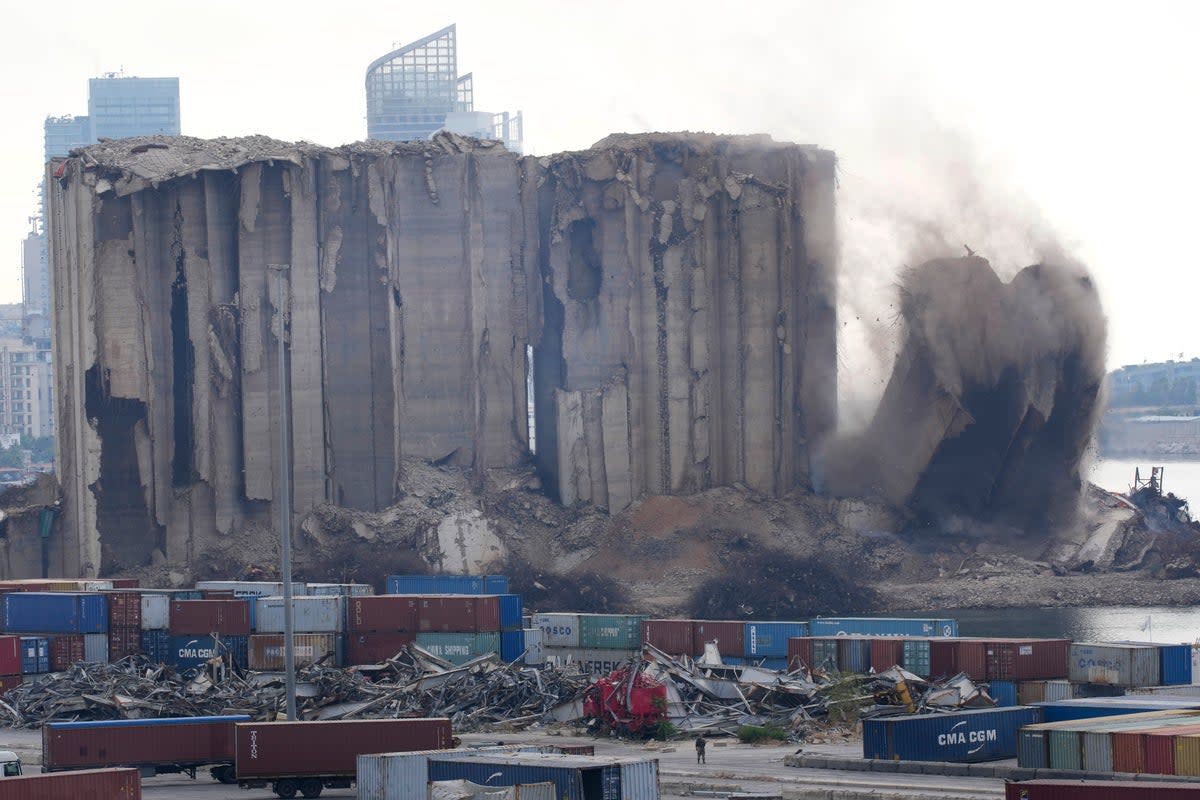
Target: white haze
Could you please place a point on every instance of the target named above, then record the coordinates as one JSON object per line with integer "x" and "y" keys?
{"x": 1006, "y": 127}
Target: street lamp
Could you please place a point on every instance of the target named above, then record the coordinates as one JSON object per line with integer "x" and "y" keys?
{"x": 282, "y": 306}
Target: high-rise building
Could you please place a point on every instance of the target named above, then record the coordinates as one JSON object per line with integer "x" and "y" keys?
{"x": 26, "y": 389}
{"x": 35, "y": 277}
{"x": 416, "y": 91}
{"x": 120, "y": 106}
{"x": 64, "y": 134}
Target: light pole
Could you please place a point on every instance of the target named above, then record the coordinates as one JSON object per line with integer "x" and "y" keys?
{"x": 283, "y": 307}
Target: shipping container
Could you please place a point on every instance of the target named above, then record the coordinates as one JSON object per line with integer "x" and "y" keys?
{"x": 915, "y": 656}
{"x": 65, "y": 650}
{"x": 512, "y": 645}
{"x": 320, "y": 614}
{"x": 975, "y": 735}
{"x": 271, "y": 749}
{"x": 266, "y": 650}
{"x": 590, "y": 662}
{"x": 882, "y": 626}
{"x": 1100, "y": 790}
{"x": 157, "y": 646}
{"x": 389, "y": 776}
{"x": 192, "y": 652}
{"x": 1190, "y": 690}
{"x": 730, "y": 637}
{"x": 560, "y": 630}
{"x": 10, "y": 655}
{"x": 1033, "y": 741}
{"x": 447, "y": 584}
{"x": 125, "y": 583}
{"x": 1083, "y": 708}
{"x": 816, "y": 653}
{"x": 574, "y": 777}
{"x": 458, "y": 613}
{"x": 374, "y": 648}
{"x": 1029, "y": 692}
{"x": 95, "y": 648}
{"x": 1026, "y": 659}
{"x": 55, "y": 612}
{"x": 1085, "y": 744}
{"x": 156, "y": 612}
{"x": 854, "y": 654}
{"x": 35, "y": 655}
{"x": 1187, "y": 756}
{"x": 1114, "y": 664}
{"x": 383, "y": 613}
{"x": 534, "y": 653}
{"x": 252, "y": 588}
{"x": 949, "y": 657}
{"x": 124, "y": 609}
{"x": 675, "y": 637}
{"x": 1151, "y": 751}
{"x": 10, "y": 682}
{"x": 1174, "y": 662}
{"x": 458, "y": 648}
{"x": 617, "y": 632}
{"x": 166, "y": 744}
{"x": 123, "y": 641}
{"x": 198, "y": 617}
{"x": 91, "y": 784}
{"x": 341, "y": 589}
{"x": 887, "y": 652}
{"x": 770, "y": 638}
{"x": 1003, "y": 692}
{"x": 511, "y": 611}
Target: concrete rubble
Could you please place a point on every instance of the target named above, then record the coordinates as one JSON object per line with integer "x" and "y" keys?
{"x": 674, "y": 294}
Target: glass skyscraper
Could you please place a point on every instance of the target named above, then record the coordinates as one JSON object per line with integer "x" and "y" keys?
{"x": 119, "y": 106}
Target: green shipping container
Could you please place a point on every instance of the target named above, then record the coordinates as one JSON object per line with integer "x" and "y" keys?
{"x": 916, "y": 656}
{"x": 459, "y": 648}
{"x": 610, "y": 631}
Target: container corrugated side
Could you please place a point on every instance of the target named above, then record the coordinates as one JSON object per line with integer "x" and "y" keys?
{"x": 1003, "y": 692}
{"x": 55, "y": 612}
{"x": 1159, "y": 747}
{"x": 771, "y": 638}
{"x": 673, "y": 636}
{"x": 89, "y": 784}
{"x": 1114, "y": 664}
{"x": 157, "y": 646}
{"x": 1187, "y": 756}
{"x": 1033, "y": 748}
{"x": 266, "y": 650}
{"x": 10, "y": 655}
{"x": 192, "y": 652}
{"x": 512, "y": 645}
{"x": 966, "y": 736}
{"x": 1095, "y": 707}
{"x": 1065, "y": 749}
{"x": 639, "y": 780}
{"x": 613, "y": 632}
{"x": 373, "y": 648}
{"x": 915, "y": 657}
{"x": 182, "y": 741}
{"x": 728, "y": 636}
{"x": 390, "y": 776}
{"x": 156, "y": 612}
{"x": 319, "y": 614}
{"x": 1175, "y": 664}
{"x": 558, "y": 630}
{"x": 511, "y": 610}
{"x": 459, "y": 648}
{"x": 854, "y": 654}
{"x": 341, "y": 589}
{"x": 568, "y": 777}
{"x": 252, "y": 588}
{"x": 266, "y": 749}
{"x": 590, "y": 662}
{"x": 882, "y": 626}
{"x": 95, "y": 648}
{"x": 887, "y": 652}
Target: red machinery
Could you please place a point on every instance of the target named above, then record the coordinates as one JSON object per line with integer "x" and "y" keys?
{"x": 627, "y": 700}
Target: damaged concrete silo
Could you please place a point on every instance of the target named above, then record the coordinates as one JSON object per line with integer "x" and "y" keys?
{"x": 992, "y": 401}
{"x": 676, "y": 290}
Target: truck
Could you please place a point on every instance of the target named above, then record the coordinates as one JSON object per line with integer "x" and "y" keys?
{"x": 153, "y": 746}
{"x": 309, "y": 757}
{"x": 10, "y": 764}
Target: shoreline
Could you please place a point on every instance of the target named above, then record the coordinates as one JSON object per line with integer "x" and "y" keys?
{"x": 1025, "y": 591}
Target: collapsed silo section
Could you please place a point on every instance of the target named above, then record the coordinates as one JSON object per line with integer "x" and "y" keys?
{"x": 688, "y": 332}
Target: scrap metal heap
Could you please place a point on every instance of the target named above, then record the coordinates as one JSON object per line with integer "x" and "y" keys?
{"x": 674, "y": 294}
{"x": 992, "y": 401}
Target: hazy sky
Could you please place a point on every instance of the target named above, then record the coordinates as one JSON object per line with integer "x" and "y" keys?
{"x": 1006, "y": 126}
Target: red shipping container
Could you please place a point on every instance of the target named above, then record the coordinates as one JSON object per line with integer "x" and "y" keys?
{"x": 297, "y": 749}
{"x": 1100, "y": 790}
{"x": 188, "y": 741}
{"x": 8, "y": 682}
{"x": 125, "y": 583}
{"x": 1027, "y": 659}
{"x": 10, "y": 655}
{"x": 88, "y": 784}
{"x": 373, "y": 648}
{"x": 459, "y": 613}
{"x": 800, "y": 651}
{"x": 124, "y": 641}
{"x": 1158, "y": 747}
{"x": 887, "y": 652}
{"x": 65, "y": 650}
{"x": 948, "y": 657}
{"x": 730, "y": 636}
{"x": 124, "y": 609}
{"x": 383, "y": 613}
{"x": 202, "y": 617}
{"x": 675, "y": 637}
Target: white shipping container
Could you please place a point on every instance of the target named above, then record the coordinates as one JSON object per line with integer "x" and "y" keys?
{"x": 591, "y": 662}
{"x": 321, "y": 614}
{"x": 535, "y": 653}
{"x": 156, "y": 612}
{"x": 343, "y": 589}
{"x": 95, "y": 648}
{"x": 558, "y": 630}
{"x": 1196, "y": 665}
{"x": 253, "y": 588}
{"x": 388, "y": 776}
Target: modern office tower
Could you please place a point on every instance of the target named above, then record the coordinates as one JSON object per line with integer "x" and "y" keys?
{"x": 120, "y": 106}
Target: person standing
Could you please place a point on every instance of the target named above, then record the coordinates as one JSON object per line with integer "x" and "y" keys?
{"x": 701, "y": 744}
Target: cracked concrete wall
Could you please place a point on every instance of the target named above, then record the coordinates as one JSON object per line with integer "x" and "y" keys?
{"x": 677, "y": 291}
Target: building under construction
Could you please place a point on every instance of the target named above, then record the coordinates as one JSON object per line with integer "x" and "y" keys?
{"x": 673, "y": 295}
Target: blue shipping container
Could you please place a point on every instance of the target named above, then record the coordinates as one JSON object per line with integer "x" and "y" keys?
{"x": 55, "y": 612}
{"x": 966, "y": 736}
{"x": 770, "y": 638}
{"x": 447, "y": 584}
{"x": 779, "y": 664}
{"x": 854, "y": 655}
{"x": 510, "y": 612}
{"x": 568, "y": 778}
{"x": 35, "y": 655}
{"x": 1091, "y": 707}
{"x": 191, "y": 652}
{"x": 495, "y": 584}
{"x": 1176, "y": 662}
{"x": 881, "y": 626}
{"x": 512, "y": 645}
{"x": 157, "y": 646}
{"x": 169, "y": 722}
{"x": 1003, "y": 692}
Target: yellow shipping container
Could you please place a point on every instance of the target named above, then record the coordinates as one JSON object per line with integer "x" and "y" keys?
{"x": 1187, "y": 755}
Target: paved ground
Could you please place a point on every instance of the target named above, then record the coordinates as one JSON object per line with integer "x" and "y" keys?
{"x": 731, "y": 767}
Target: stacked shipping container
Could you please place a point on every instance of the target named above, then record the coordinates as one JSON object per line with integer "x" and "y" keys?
{"x": 597, "y": 643}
